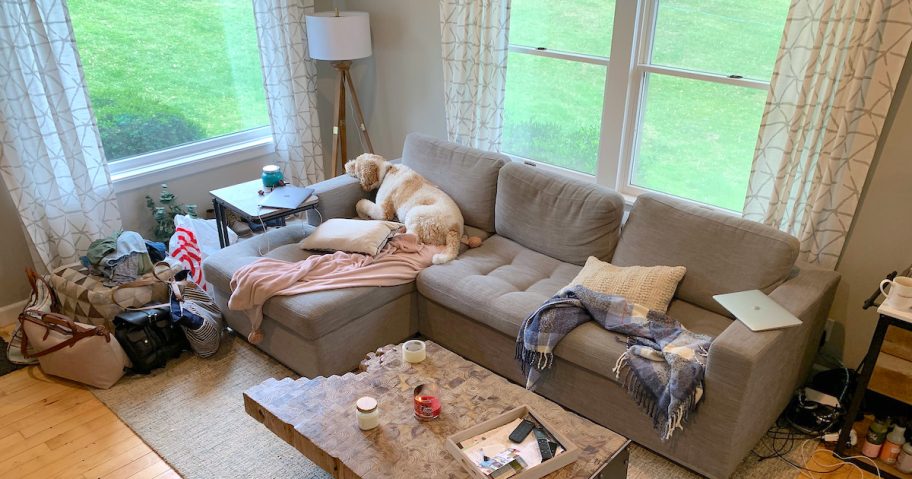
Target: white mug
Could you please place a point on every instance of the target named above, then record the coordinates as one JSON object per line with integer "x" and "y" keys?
{"x": 900, "y": 294}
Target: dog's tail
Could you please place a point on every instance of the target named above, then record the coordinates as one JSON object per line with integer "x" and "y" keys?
{"x": 452, "y": 248}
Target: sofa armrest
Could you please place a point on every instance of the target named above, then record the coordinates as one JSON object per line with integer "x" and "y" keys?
{"x": 750, "y": 376}
{"x": 338, "y": 197}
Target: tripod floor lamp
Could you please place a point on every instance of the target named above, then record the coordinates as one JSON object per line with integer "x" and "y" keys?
{"x": 341, "y": 37}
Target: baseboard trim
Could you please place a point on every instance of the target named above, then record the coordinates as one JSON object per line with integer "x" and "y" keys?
{"x": 10, "y": 313}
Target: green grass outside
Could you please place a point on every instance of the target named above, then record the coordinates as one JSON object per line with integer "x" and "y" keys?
{"x": 696, "y": 139}
{"x": 166, "y": 72}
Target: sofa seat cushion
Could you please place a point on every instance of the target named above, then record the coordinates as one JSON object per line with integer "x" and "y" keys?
{"x": 501, "y": 283}
{"x": 310, "y": 315}
{"x": 697, "y": 319}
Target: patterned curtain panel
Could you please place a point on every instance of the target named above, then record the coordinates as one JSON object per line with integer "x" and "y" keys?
{"x": 474, "y": 38}
{"x": 50, "y": 152}
{"x": 290, "y": 79}
{"x": 834, "y": 80}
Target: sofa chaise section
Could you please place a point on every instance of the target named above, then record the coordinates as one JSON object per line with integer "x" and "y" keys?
{"x": 323, "y": 332}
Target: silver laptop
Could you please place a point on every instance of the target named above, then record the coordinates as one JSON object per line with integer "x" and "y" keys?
{"x": 756, "y": 310}
{"x": 286, "y": 197}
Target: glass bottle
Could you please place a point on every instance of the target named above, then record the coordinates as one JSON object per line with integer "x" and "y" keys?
{"x": 368, "y": 413}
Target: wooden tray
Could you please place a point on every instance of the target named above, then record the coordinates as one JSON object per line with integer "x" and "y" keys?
{"x": 571, "y": 451}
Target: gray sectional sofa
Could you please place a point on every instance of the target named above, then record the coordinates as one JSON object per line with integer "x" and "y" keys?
{"x": 539, "y": 228}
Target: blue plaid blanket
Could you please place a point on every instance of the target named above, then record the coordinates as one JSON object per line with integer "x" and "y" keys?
{"x": 662, "y": 367}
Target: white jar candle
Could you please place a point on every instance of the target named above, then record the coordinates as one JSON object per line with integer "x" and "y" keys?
{"x": 414, "y": 351}
{"x": 368, "y": 413}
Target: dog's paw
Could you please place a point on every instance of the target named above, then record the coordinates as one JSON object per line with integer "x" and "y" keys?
{"x": 441, "y": 258}
{"x": 363, "y": 208}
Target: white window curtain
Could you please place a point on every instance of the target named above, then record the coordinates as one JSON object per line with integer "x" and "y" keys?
{"x": 835, "y": 77}
{"x": 290, "y": 79}
{"x": 474, "y": 39}
{"x": 50, "y": 152}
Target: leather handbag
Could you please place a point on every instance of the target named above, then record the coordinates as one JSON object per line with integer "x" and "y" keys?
{"x": 149, "y": 338}
{"x": 42, "y": 300}
{"x": 75, "y": 351}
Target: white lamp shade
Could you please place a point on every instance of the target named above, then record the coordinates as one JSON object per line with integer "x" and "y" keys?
{"x": 346, "y": 37}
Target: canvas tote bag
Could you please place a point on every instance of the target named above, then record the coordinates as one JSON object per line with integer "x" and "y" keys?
{"x": 86, "y": 299}
{"x": 79, "y": 352}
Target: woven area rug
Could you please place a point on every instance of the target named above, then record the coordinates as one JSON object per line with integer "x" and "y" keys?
{"x": 192, "y": 414}
{"x": 645, "y": 464}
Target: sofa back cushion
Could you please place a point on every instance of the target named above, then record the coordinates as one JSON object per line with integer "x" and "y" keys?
{"x": 722, "y": 253}
{"x": 468, "y": 175}
{"x": 563, "y": 218}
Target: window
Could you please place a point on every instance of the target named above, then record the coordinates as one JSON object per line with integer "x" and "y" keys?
{"x": 556, "y": 80}
{"x": 667, "y": 97}
{"x": 169, "y": 73}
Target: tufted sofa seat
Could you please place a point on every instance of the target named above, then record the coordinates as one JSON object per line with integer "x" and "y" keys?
{"x": 539, "y": 229}
{"x": 498, "y": 283}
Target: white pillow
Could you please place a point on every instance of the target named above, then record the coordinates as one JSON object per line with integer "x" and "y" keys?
{"x": 352, "y": 236}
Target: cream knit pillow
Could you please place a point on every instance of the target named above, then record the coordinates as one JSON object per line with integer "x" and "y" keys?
{"x": 651, "y": 286}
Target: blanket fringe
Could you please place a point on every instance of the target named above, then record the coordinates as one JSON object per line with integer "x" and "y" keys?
{"x": 529, "y": 359}
{"x": 666, "y": 424}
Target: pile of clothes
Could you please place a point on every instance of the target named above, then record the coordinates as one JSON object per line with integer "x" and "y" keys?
{"x": 123, "y": 257}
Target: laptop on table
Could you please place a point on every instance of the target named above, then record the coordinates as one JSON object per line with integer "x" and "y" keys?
{"x": 286, "y": 197}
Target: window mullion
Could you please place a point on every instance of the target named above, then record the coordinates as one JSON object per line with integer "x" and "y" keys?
{"x": 621, "y": 92}
{"x": 702, "y": 76}
{"x": 560, "y": 55}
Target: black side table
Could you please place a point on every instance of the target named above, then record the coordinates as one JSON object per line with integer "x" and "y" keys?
{"x": 887, "y": 317}
{"x": 244, "y": 200}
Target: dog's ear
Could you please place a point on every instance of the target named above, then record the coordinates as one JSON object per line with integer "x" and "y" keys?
{"x": 351, "y": 167}
{"x": 368, "y": 173}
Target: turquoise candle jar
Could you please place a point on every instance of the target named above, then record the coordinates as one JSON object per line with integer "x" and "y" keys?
{"x": 271, "y": 176}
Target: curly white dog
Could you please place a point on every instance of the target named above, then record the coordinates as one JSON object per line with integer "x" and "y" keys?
{"x": 426, "y": 210}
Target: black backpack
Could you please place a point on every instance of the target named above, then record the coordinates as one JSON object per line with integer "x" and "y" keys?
{"x": 149, "y": 338}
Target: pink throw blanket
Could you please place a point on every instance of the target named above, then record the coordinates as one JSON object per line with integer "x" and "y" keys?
{"x": 399, "y": 262}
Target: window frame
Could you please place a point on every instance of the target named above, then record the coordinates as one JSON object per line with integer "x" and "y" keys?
{"x": 627, "y": 69}
{"x": 163, "y": 165}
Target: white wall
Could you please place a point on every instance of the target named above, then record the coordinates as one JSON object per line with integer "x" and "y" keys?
{"x": 880, "y": 240}
{"x": 14, "y": 253}
{"x": 401, "y": 85}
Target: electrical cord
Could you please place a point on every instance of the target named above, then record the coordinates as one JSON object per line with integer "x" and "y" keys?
{"x": 781, "y": 441}
{"x": 263, "y": 225}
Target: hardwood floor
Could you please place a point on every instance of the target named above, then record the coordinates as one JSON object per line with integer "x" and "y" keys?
{"x": 53, "y": 428}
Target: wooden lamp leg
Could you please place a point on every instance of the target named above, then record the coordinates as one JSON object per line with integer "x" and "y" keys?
{"x": 340, "y": 146}
{"x": 335, "y": 130}
{"x": 339, "y": 140}
{"x": 362, "y": 128}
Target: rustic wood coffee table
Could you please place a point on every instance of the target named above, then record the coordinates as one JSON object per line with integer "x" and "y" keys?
{"x": 317, "y": 416}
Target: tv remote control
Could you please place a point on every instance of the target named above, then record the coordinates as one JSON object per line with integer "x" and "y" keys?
{"x": 519, "y": 434}
{"x": 544, "y": 445}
